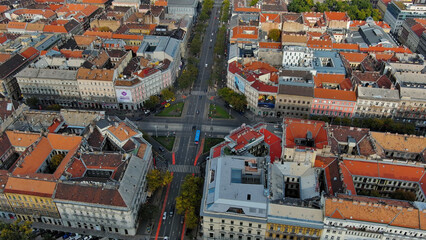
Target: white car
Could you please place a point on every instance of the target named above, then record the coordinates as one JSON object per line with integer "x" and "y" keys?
{"x": 164, "y": 215}
{"x": 206, "y": 64}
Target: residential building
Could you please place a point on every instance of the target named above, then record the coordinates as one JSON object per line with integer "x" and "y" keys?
{"x": 303, "y": 140}
{"x": 294, "y": 209}
{"x": 400, "y": 147}
{"x": 294, "y": 99}
{"x": 397, "y": 12}
{"x": 412, "y": 106}
{"x": 179, "y": 7}
{"x": 422, "y": 44}
{"x": 234, "y": 204}
{"x": 349, "y": 217}
{"x": 364, "y": 177}
{"x": 6, "y": 211}
{"x": 97, "y": 88}
{"x": 411, "y": 32}
{"x": 51, "y": 80}
{"x": 371, "y": 34}
{"x": 295, "y": 57}
{"x": 377, "y": 96}
{"x": 269, "y": 21}
{"x": 333, "y": 96}
{"x": 328, "y": 62}
{"x": 337, "y": 20}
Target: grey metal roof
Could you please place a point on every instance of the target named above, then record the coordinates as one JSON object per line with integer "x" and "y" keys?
{"x": 48, "y": 74}
{"x": 224, "y": 190}
{"x": 378, "y": 94}
{"x": 296, "y": 89}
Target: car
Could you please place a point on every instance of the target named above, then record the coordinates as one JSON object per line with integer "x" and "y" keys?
{"x": 182, "y": 219}
{"x": 207, "y": 65}
{"x": 211, "y": 40}
{"x": 166, "y": 238}
{"x": 164, "y": 216}
{"x": 161, "y": 149}
{"x": 172, "y": 211}
{"x": 198, "y": 112}
{"x": 173, "y": 99}
{"x": 167, "y": 105}
{"x": 163, "y": 103}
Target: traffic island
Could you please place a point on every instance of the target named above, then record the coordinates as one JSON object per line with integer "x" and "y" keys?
{"x": 211, "y": 142}
{"x": 165, "y": 141}
{"x": 175, "y": 110}
{"x": 219, "y": 112}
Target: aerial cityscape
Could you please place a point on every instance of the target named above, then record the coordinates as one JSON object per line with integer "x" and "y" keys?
{"x": 213, "y": 119}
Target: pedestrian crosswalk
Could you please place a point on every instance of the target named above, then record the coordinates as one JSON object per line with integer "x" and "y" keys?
{"x": 184, "y": 169}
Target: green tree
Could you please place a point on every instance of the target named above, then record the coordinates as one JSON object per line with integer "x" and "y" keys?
{"x": 32, "y": 102}
{"x": 167, "y": 94}
{"x": 47, "y": 236}
{"x": 154, "y": 178}
{"x": 253, "y": 2}
{"x": 54, "y": 107}
{"x": 17, "y": 230}
{"x": 301, "y": 6}
{"x": 238, "y": 101}
{"x": 55, "y": 161}
{"x": 188, "y": 201}
{"x": 274, "y": 35}
{"x": 148, "y": 211}
{"x": 167, "y": 178}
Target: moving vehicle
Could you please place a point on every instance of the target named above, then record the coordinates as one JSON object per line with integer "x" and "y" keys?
{"x": 164, "y": 216}
{"x": 198, "y": 112}
{"x": 161, "y": 149}
{"x": 206, "y": 64}
{"x": 197, "y": 137}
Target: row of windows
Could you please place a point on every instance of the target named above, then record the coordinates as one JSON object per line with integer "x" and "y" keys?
{"x": 231, "y": 236}
{"x": 294, "y": 101}
{"x": 340, "y": 114}
{"x": 223, "y": 221}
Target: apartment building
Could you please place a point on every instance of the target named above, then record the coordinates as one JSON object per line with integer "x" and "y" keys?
{"x": 412, "y": 105}
{"x": 397, "y": 12}
{"x": 234, "y": 204}
{"x": 294, "y": 99}
{"x": 97, "y": 88}
{"x": 350, "y": 217}
{"x": 296, "y": 57}
{"x": 52, "y": 80}
{"x": 294, "y": 210}
{"x": 377, "y": 95}
{"x": 411, "y": 33}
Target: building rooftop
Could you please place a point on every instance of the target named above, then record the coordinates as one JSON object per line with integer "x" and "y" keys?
{"x": 393, "y": 213}
{"x": 300, "y": 133}
{"x": 234, "y": 186}
{"x": 41, "y": 188}
{"x": 400, "y": 143}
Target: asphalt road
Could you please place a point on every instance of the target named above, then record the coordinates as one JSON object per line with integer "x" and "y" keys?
{"x": 194, "y": 115}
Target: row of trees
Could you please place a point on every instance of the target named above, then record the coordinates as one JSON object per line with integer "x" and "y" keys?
{"x": 154, "y": 100}
{"x": 238, "y": 101}
{"x": 188, "y": 201}
{"x": 374, "y": 124}
{"x": 16, "y": 231}
{"x": 219, "y": 48}
{"x": 156, "y": 179}
{"x": 356, "y": 9}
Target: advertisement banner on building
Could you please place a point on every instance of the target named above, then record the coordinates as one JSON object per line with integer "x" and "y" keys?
{"x": 239, "y": 84}
{"x": 266, "y": 101}
{"x": 123, "y": 96}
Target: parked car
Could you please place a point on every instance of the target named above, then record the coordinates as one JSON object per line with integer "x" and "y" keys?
{"x": 161, "y": 149}
{"x": 172, "y": 211}
{"x": 164, "y": 215}
{"x": 167, "y": 105}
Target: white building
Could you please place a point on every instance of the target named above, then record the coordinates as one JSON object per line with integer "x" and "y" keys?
{"x": 182, "y": 7}
{"x": 234, "y": 203}
{"x": 296, "y": 56}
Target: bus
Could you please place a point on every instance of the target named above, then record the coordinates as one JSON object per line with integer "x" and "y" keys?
{"x": 197, "y": 136}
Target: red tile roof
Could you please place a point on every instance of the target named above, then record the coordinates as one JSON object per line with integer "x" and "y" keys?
{"x": 298, "y": 128}
{"x": 54, "y": 29}
{"x": 274, "y": 143}
{"x": 17, "y": 25}
{"x": 270, "y": 17}
{"x": 320, "y": 43}
{"x": 265, "y": 88}
{"x": 245, "y": 32}
{"x": 270, "y": 45}
{"x": 247, "y": 9}
{"x": 40, "y": 188}
{"x": 335, "y": 94}
{"x": 160, "y": 3}
{"x": 244, "y": 135}
{"x": 94, "y": 1}
{"x": 348, "y": 46}
{"x": 337, "y": 16}
{"x": 376, "y": 169}
{"x": 98, "y": 34}
{"x": 30, "y": 53}
{"x": 72, "y": 53}
{"x": 217, "y": 151}
{"x": 376, "y": 210}
{"x": 77, "y": 168}
{"x": 386, "y": 49}
{"x": 383, "y": 56}
{"x": 357, "y": 23}
{"x": 4, "y": 8}
{"x": 354, "y": 57}
{"x": 98, "y": 195}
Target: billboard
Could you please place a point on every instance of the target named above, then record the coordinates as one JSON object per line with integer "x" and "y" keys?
{"x": 123, "y": 95}
{"x": 266, "y": 101}
{"x": 239, "y": 84}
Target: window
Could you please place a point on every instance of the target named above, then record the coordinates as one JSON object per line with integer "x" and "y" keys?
{"x": 240, "y": 230}
{"x": 211, "y": 219}
{"x": 223, "y": 221}
{"x": 250, "y": 224}
{"x": 232, "y": 222}
{"x": 211, "y": 235}
{"x": 241, "y": 223}
{"x": 231, "y": 236}
{"x": 211, "y": 227}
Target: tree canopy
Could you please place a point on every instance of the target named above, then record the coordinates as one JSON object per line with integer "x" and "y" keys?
{"x": 157, "y": 179}
{"x": 238, "y": 101}
{"x": 167, "y": 94}
{"x": 17, "y": 230}
{"x": 356, "y": 9}
{"x": 274, "y": 35}
{"x": 55, "y": 161}
{"x": 188, "y": 201}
